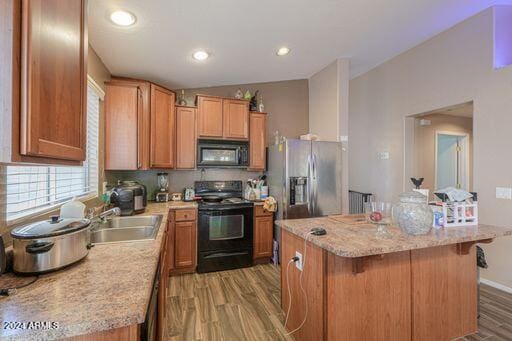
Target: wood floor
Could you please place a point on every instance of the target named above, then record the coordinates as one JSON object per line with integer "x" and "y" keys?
{"x": 244, "y": 304}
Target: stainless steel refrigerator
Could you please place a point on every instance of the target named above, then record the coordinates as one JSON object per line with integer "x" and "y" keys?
{"x": 305, "y": 178}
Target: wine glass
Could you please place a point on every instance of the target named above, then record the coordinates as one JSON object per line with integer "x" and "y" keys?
{"x": 380, "y": 214}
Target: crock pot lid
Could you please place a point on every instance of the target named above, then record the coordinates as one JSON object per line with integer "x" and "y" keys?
{"x": 45, "y": 228}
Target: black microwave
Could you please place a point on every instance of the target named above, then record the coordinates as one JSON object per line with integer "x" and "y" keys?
{"x": 217, "y": 153}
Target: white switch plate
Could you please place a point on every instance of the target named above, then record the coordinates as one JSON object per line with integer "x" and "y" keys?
{"x": 384, "y": 155}
{"x": 504, "y": 193}
{"x": 298, "y": 264}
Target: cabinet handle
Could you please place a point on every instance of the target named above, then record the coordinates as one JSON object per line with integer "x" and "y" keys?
{"x": 139, "y": 114}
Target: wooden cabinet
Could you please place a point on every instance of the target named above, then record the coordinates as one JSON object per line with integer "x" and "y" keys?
{"x": 162, "y": 132}
{"x": 53, "y": 79}
{"x": 235, "y": 119}
{"x": 257, "y": 141}
{"x": 182, "y": 256}
{"x": 225, "y": 118}
{"x": 185, "y": 137}
{"x": 124, "y": 126}
{"x": 140, "y": 131}
{"x": 263, "y": 233}
{"x": 209, "y": 112}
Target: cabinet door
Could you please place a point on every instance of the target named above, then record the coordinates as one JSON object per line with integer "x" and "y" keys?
{"x": 263, "y": 231}
{"x": 171, "y": 233}
{"x": 123, "y": 104}
{"x": 162, "y": 135}
{"x": 257, "y": 141}
{"x": 185, "y": 244}
{"x": 185, "y": 138}
{"x": 235, "y": 119}
{"x": 54, "y": 79}
{"x": 209, "y": 116}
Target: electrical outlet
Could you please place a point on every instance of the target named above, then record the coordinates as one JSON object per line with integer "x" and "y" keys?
{"x": 504, "y": 193}
{"x": 298, "y": 264}
{"x": 383, "y": 155}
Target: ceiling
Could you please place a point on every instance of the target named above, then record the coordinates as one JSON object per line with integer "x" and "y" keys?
{"x": 243, "y": 36}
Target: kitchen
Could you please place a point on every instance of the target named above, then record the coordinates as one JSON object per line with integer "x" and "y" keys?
{"x": 128, "y": 121}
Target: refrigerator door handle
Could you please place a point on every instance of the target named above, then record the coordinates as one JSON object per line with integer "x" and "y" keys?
{"x": 314, "y": 184}
{"x": 309, "y": 186}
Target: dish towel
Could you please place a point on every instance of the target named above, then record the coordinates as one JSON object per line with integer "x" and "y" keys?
{"x": 270, "y": 204}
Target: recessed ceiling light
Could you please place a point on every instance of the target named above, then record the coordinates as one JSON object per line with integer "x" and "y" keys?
{"x": 200, "y": 55}
{"x": 283, "y": 51}
{"x": 122, "y": 18}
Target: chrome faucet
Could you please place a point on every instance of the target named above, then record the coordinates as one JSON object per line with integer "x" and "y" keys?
{"x": 116, "y": 211}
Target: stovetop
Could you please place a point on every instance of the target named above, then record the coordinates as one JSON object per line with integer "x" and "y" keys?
{"x": 229, "y": 194}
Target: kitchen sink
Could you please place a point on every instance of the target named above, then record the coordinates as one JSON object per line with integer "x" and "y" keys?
{"x": 126, "y": 229}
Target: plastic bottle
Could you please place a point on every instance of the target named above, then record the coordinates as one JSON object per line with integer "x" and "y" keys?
{"x": 72, "y": 209}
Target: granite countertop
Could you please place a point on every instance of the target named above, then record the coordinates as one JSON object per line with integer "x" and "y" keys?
{"x": 351, "y": 236}
{"x": 109, "y": 289}
{"x": 163, "y": 207}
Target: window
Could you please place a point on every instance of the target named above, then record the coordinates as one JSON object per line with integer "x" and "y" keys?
{"x": 31, "y": 189}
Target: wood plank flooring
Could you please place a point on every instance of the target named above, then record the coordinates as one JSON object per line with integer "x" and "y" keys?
{"x": 244, "y": 304}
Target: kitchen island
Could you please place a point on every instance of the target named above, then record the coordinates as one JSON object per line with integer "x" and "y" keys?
{"x": 360, "y": 287}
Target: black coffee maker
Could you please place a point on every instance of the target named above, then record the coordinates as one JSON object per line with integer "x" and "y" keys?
{"x": 130, "y": 197}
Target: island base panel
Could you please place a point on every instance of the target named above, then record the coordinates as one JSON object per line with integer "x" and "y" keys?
{"x": 313, "y": 282}
{"x": 372, "y": 305}
{"x": 445, "y": 301}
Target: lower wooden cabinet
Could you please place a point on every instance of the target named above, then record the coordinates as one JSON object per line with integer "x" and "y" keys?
{"x": 263, "y": 233}
{"x": 182, "y": 241}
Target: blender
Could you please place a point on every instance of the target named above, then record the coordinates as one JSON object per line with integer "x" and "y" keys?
{"x": 163, "y": 192}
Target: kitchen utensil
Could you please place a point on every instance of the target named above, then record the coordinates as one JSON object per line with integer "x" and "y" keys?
{"x": 163, "y": 191}
{"x": 188, "y": 194}
{"x": 50, "y": 245}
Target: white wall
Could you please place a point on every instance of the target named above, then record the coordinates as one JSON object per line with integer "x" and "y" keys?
{"x": 328, "y": 111}
{"x": 454, "y": 67}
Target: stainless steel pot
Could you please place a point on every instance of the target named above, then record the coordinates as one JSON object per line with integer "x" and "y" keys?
{"x": 50, "y": 245}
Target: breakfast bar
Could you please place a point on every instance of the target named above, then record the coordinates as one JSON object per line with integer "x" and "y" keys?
{"x": 358, "y": 286}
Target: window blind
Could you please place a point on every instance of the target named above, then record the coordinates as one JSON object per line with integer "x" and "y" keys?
{"x": 30, "y": 189}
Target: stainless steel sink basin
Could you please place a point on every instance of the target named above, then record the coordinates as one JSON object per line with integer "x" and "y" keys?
{"x": 126, "y": 229}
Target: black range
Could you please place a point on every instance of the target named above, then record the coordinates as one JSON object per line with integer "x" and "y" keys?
{"x": 225, "y": 226}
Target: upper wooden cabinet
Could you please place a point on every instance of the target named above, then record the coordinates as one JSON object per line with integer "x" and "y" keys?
{"x": 123, "y": 105}
{"x": 162, "y": 132}
{"x": 185, "y": 137}
{"x": 225, "y": 118}
{"x": 209, "y": 112}
{"x": 53, "y": 79}
{"x": 139, "y": 133}
{"x": 257, "y": 141}
{"x": 235, "y": 119}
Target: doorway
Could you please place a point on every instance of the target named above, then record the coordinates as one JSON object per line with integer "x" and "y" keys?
{"x": 451, "y": 160}
{"x": 438, "y": 147}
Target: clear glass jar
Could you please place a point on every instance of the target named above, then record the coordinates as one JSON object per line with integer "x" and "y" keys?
{"x": 412, "y": 214}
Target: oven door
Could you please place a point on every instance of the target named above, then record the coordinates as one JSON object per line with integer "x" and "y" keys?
{"x": 225, "y": 229}
{"x": 225, "y": 238}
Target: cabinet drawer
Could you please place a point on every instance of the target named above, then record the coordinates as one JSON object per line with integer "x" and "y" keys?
{"x": 260, "y": 211}
{"x": 185, "y": 215}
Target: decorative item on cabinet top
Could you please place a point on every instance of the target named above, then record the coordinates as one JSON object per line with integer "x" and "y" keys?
{"x": 181, "y": 100}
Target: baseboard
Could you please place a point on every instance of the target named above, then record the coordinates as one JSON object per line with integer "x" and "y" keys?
{"x": 496, "y": 285}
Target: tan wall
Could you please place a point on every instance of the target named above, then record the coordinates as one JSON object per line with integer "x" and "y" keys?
{"x": 323, "y": 103}
{"x": 285, "y": 102}
{"x": 454, "y": 67}
{"x": 425, "y": 146}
